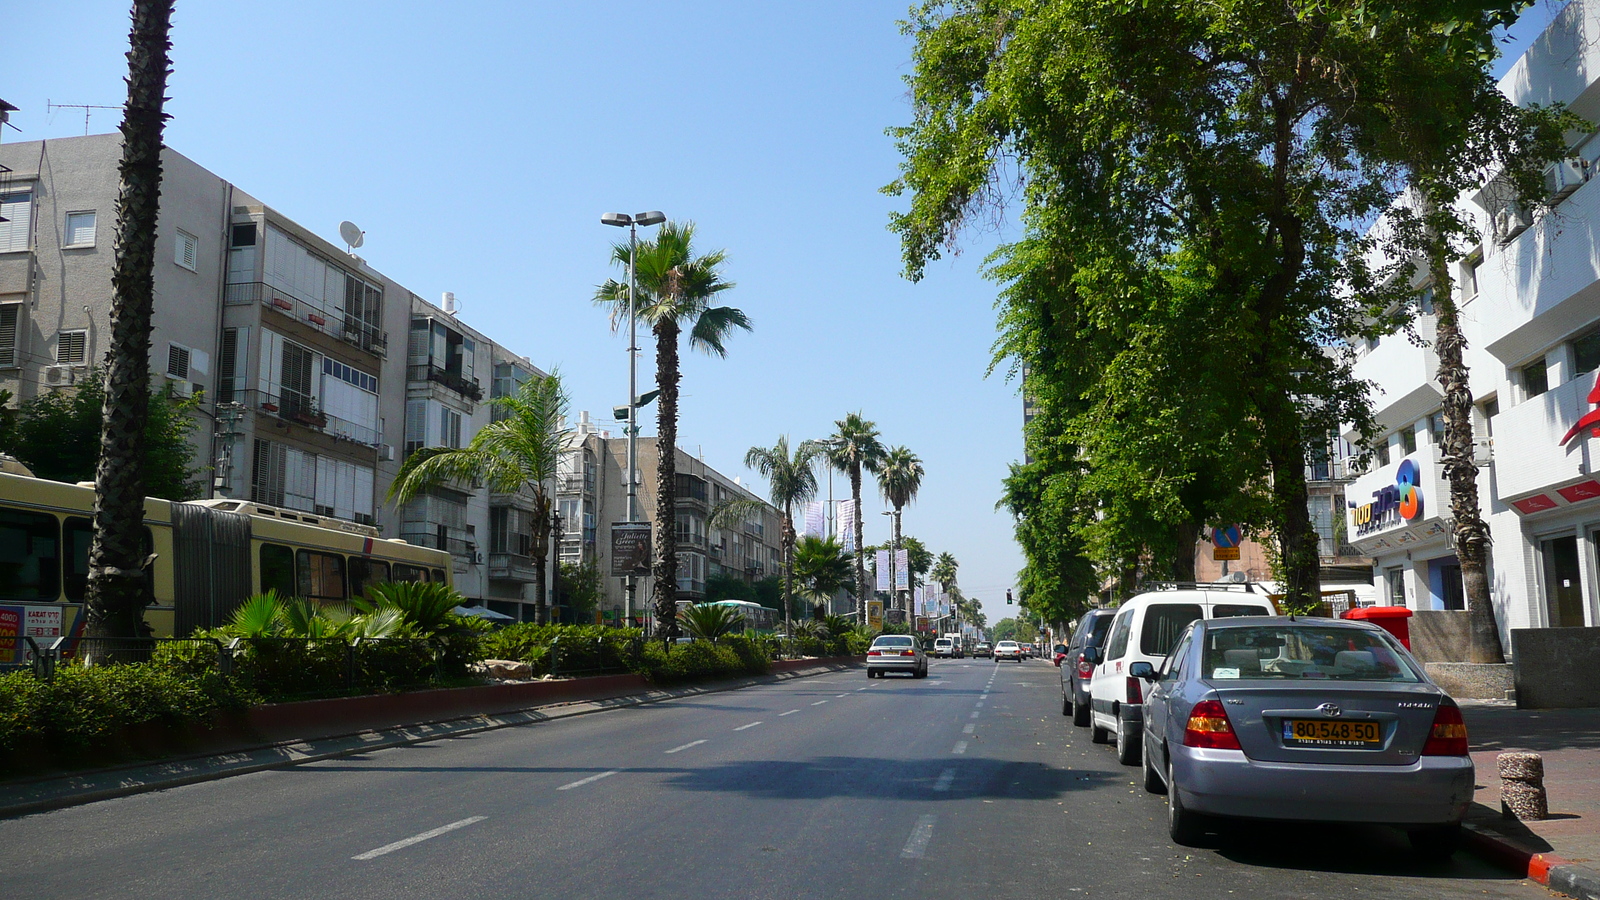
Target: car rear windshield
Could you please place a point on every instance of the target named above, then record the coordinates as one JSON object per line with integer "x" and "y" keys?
{"x": 1303, "y": 651}
{"x": 1163, "y": 622}
{"x": 1229, "y": 610}
{"x": 892, "y": 642}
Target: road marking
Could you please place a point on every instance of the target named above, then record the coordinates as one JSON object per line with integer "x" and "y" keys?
{"x": 917, "y": 844}
{"x": 591, "y": 779}
{"x": 819, "y": 703}
{"x": 945, "y": 777}
{"x": 960, "y": 747}
{"x": 789, "y": 713}
{"x": 859, "y": 690}
{"x": 979, "y": 704}
{"x": 974, "y": 715}
{"x": 743, "y": 727}
{"x": 968, "y": 728}
{"x": 686, "y": 746}
{"x": 837, "y": 696}
{"x": 419, "y": 838}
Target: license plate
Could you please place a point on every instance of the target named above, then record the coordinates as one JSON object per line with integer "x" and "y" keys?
{"x": 1330, "y": 733}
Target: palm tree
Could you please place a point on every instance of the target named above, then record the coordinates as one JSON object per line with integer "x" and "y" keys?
{"x": 519, "y": 453}
{"x": 116, "y": 590}
{"x": 790, "y": 480}
{"x": 899, "y": 476}
{"x": 854, "y": 447}
{"x": 944, "y": 571}
{"x": 675, "y": 290}
{"x": 820, "y": 568}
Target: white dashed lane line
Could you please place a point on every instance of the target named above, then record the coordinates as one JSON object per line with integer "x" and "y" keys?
{"x": 789, "y": 713}
{"x": 743, "y": 727}
{"x": 945, "y": 778}
{"x": 921, "y": 834}
{"x": 819, "y": 703}
{"x": 419, "y": 838}
{"x": 968, "y": 728}
{"x": 960, "y": 747}
{"x": 590, "y": 780}
{"x": 686, "y": 746}
{"x": 975, "y": 715}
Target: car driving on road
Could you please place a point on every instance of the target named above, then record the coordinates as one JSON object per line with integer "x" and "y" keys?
{"x": 943, "y": 648}
{"x": 1303, "y": 719}
{"x": 1008, "y": 650}
{"x": 896, "y": 653}
{"x": 983, "y": 650}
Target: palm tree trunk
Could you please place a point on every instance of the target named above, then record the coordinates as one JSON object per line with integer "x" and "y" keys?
{"x": 861, "y": 552}
{"x": 541, "y": 553}
{"x": 666, "y": 563}
{"x": 1471, "y": 533}
{"x": 788, "y": 567}
{"x": 116, "y": 590}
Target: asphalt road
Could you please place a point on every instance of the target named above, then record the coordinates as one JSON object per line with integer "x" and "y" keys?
{"x": 969, "y": 783}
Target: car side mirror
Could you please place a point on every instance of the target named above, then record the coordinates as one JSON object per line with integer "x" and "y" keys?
{"x": 1143, "y": 670}
{"x": 1093, "y": 656}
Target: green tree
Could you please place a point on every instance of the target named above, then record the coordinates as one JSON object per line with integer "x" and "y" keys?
{"x": 821, "y": 568}
{"x": 579, "y": 589}
{"x": 855, "y": 447}
{"x": 791, "y": 479}
{"x": 1005, "y": 630}
{"x": 116, "y": 594}
{"x": 57, "y": 435}
{"x": 726, "y": 586}
{"x": 518, "y": 453}
{"x": 676, "y": 289}
{"x": 899, "y": 478}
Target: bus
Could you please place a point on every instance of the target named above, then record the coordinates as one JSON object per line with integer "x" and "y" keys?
{"x": 754, "y": 616}
{"x": 206, "y": 558}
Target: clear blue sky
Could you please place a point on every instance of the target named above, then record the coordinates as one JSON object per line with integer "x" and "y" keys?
{"x": 478, "y": 143}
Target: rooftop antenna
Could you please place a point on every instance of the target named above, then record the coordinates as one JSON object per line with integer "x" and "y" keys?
{"x": 86, "y": 107}
{"x": 6, "y": 110}
{"x": 353, "y": 236}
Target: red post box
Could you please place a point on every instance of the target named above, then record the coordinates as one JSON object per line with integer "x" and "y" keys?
{"x": 1390, "y": 618}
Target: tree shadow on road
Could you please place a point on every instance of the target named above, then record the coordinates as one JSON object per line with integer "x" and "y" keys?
{"x": 876, "y": 778}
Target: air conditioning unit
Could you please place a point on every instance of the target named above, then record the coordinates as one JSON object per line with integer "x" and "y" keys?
{"x": 59, "y": 376}
{"x": 1482, "y": 452}
{"x": 386, "y": 452}
{"x": 182, "y": 388}
{"x": 1509, "y": 221}
{"x": 1565, "y": 177}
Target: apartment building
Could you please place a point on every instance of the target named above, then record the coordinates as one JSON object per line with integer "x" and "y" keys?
{"x": 307, "y": 358}
{"x": 1530, "y": 309}
{"x": 593, "y": 494}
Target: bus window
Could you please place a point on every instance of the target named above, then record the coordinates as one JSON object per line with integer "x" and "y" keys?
{"x": 403, "y": 572}
{"x": 77, "y": 533}
{"x": 277, "y": 569}
{"x": 438, "y": 575}
{"x": 365, "y": 571}
{"x": 321, "y": 575}
{"x": 30, "y": 556}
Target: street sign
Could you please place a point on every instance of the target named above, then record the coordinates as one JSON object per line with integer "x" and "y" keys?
{"x": 630, "y": 548}
{"x": 1220, "y": 553}
{"x": 1225, "y": 537}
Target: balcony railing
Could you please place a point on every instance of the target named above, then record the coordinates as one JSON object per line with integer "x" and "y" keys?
{"x": 570, "y": 483}
{"x": 690, "y": 586}
{"x": 690, "y": 539}
{"x": 349, "y": 329}
{"x": 470, "y": 389}
{"x": 302, "y": 410}
{"x": 512, "y": 567}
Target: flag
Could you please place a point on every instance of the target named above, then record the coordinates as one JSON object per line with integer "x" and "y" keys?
{"x": 902, "y": 570}
{"x": 847, "y": 525}
{"x": 882, "y": 559}
{"x": 816, "y": 523}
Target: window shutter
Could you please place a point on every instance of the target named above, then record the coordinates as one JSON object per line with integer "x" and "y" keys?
{"x": 80, "y": 229}
{"x": 186, "y": 250}
{"x": 70, "y": 347}
{"x": 178, "y": 362}
{"x": 416, "y": 425}
{"x": 15, "y": 233}
{"x": 8, "y": 333}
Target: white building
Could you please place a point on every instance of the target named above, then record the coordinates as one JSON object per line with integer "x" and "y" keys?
{"x": 1530, "y": 310}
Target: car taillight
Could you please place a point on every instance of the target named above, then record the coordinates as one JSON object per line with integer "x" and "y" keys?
{"x": 1135, "y": 691}
{"x": 1085, "y": 670}
{"x": 1208, "y": 727}
{"x": 908, "y": 653}
{"x": 874, "y": 652}
{"x": 1449, "y": 734}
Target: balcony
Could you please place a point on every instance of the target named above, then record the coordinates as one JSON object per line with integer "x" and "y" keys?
{"x": 330, "y": 322}
{"x": 302, "y": 410}
{"x": 572, "y": 484}
{"x": 461, "y": 549}
{"x": 512, "y": 567}
{"x": 690, "y": 539}
{"x": 1402, "y": 374}
{"x": 469, "y": 388}
{"x": 690, "y": 586}
{"x": 1530, "y": 459}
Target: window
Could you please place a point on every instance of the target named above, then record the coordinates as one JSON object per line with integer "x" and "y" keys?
{"x": 1436, "y": 426}
{"x": 365, "y": 572}
{"x": 80, "y": 230}
{"x": 277, "y": 569}
{"x": 1395, "y": 580}
{"x": 1118, "y": 644}
{"x": 1408, "y": 439}
{"x": 1469, "y": 275}
{"x": 10, "y": 314}
{"x": 1230, "y": 610}
{"x": 438, "y": 576}
{"x": 1535, "y": 379}
{"x": 70, "y": 346}
{"x": 1586, "y": 353}
{"x": 77, "y": 533}
{"x": 449, "y": 428}
{"x": 30, "y": 556}
{"x": 405, "y": 572}
{"x": 1425, "y": 301}
{"x": 1490, "y": 409}
{"x": 1170, "y": 665}
{"x": 186, "y": 251}
{"x": 16, "y": 207}
{"x": 321, "y": 575}
{"x": 227, "y": 365}
{"x": 1163, "y": 623}
{"x": 244, "y": 235}
{"x": 1383, "y": 453}
{"x": 1304, "y": 651}
{"x": 416, "y": 426}
{"x": 178, "y": 361}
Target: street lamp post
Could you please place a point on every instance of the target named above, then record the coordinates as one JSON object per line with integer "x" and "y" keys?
{"x": 632, "y": 223}
{"x": 894, "y": 563}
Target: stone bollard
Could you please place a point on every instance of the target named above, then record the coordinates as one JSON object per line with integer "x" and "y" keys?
{"x": 1522, "y": 786}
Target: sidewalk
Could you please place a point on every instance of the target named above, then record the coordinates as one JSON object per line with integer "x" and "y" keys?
{"x": 31, "y": 795}
{"x": 1563, "y": 851}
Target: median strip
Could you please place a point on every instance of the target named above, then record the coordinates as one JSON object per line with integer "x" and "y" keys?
{"x": 418, "y": 838}
{"x": 590, "y": 780}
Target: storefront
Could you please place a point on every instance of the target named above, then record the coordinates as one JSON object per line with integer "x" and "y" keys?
{"x": 1397, "y": 515}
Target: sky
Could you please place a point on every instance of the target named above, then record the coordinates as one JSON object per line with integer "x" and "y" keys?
{"x": 478, "y": 143}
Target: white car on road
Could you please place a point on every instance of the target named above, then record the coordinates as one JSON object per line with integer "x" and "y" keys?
{"x": 1008, "y": 650}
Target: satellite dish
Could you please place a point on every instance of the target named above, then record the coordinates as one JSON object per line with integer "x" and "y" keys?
{"x": 351, "y": 234}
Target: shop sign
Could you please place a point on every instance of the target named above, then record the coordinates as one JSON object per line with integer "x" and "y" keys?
{"x": 1590, "y": 420}
{"x": 1583, "y": 490}
{"x": 1536, "y": 503}
{"x": 1393, "y": 504}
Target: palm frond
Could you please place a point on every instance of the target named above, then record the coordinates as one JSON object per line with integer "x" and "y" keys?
{"x": 714, "y": 325}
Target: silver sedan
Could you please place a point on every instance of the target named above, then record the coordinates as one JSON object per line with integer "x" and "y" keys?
{"x": 896, "y": 653}
{"x": 1303, "y": 719}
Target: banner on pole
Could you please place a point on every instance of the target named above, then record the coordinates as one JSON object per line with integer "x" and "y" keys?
{"x": 902, "y": 570}
{"x": 816, "y": 521}
{"x": 875, "y": 614}
{"x": 630, "y": 548}
{"x": 847, "y": 525}
{"x": 882, "y": 560}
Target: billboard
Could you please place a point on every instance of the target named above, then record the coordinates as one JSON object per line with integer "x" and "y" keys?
{"x": 630, "y": 548}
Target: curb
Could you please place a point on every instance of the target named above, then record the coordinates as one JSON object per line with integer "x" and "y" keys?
{"x": 1554, "y": 872}
{"x": 64, "y": 791}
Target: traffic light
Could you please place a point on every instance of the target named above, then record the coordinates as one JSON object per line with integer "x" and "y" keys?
{"x": 1008, "y": 597}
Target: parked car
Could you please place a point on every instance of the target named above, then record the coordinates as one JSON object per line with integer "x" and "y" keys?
{"x": 896, "y": 653}
{"x": 1008, "y": 650}
{"x": 1144, "y": 630}
{"x": 943, "y": 647}
{"x": 1090, "y": 632}
{"x": 1058, "y": 653}
{"x": 1303, "y": 719}
{"x": 984, "y": 650}
{"x": 1029, "y": 651}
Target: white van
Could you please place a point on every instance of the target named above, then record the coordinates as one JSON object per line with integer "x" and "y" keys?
{"x": 944, "y": 648}
{"x": 1145, "y": 629}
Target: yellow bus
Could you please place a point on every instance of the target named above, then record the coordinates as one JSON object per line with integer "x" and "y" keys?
{"x": 208, "y": 556}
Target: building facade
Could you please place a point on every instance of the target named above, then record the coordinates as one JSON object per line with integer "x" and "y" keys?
{"x": 1529, "y": 298}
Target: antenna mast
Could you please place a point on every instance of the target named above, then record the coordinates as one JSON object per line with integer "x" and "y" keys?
{"x": 86, "y": 107}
